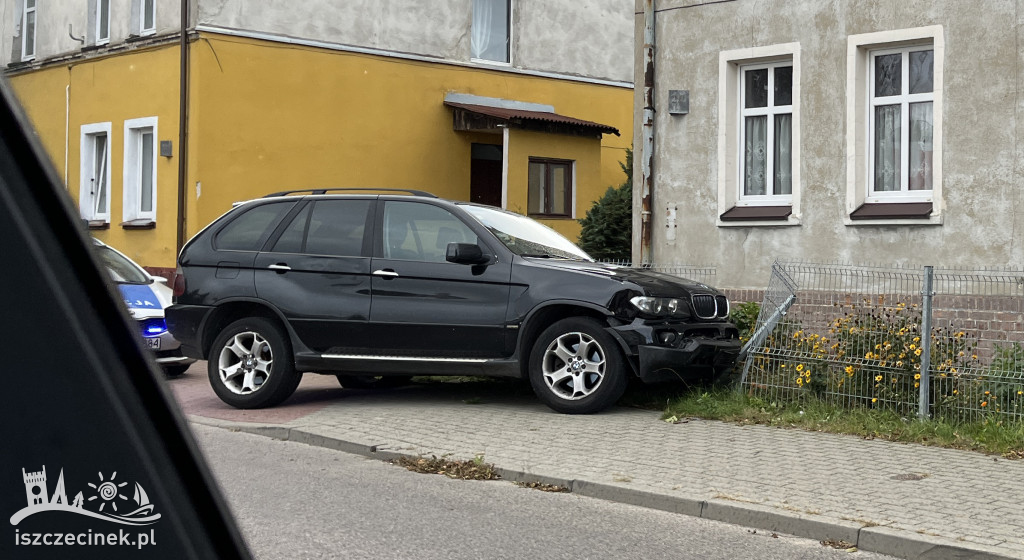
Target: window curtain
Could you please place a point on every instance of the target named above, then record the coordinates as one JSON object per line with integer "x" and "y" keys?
{"x": 783, "y": 154}
{"x": 887, "y": 148}
{"x": 480, "y": 39}
{"x": 755, "y": 155}
{"x": 920, "y": 172}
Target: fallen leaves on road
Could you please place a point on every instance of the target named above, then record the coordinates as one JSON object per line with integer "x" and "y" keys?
{"x": 840, "y": 545}
{"x": 474, "y": 469}
{"x": 543, "y": 487}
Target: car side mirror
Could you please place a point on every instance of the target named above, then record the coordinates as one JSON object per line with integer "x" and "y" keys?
{"x": 465, "y": 253}
{"x": 159, "y": 279}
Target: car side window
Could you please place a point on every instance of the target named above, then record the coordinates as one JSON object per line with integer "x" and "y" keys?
{"x": 293, "y": 236}
{"x": 248, "y": 231}
{"x": 336, "y": 228}
{"x": 422, "y": 232}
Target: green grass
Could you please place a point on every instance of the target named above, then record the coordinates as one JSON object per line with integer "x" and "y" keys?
{"x": 992, "y": 435}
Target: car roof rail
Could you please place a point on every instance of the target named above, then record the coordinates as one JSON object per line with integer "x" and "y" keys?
{"x": 358, "y": 189}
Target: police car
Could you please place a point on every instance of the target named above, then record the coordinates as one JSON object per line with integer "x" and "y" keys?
{"x": 145, "y": 296}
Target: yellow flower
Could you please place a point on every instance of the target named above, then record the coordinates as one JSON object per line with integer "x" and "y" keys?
{"x": 974, "y": 356}
{"x": 916, "y": 385}
{"x": 799, "y": 380}
{"x": 917, "y": 339}
{"x": 984, "y": 403}
{"x": 853, "y": 329}
{"x": 960, "y": 334}
{"x": 874, "y": 400}
{"x": 800, "y": 367}
{"x": 917, "y": 352}
{"x": 849, "y": 369}
{"x": 899, "y": 364}
{"x": 952, "y": 370}
{"x": 878, "y": 378}
{"x": 783, "y": 366}
{"x": 955, "y": 391}
{"x": 917, "y": 376}
{"x": 912, "y": 346}
{"x": 986, "y": 392}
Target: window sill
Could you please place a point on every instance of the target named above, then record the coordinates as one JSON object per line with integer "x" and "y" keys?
{"x": 894, "y": 213}
{"x": 97, "y": 224}
{"x": 758, "y": 216}
{"x": 139, "y": 224}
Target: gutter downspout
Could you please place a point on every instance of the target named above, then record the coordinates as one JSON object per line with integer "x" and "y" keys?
{"x": 183, "y": 129}
{"x": 647, "y": 156}
{"x": 67, "y": 126}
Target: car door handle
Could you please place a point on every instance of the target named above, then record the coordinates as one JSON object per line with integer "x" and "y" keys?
{"x": 385, "y": 273}
{"x": 280, "y": 267}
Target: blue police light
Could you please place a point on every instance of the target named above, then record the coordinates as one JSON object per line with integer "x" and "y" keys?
{"x": 154, "y": 327}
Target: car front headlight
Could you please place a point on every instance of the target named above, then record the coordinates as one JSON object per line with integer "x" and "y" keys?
{"x": 659, "y": 306}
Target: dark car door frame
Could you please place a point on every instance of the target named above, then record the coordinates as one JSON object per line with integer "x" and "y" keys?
{"x": 449, "y": 311}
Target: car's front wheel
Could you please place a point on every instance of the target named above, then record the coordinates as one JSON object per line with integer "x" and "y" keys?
{"x": 250, "y": 364}
{"x": 576, "y": 367}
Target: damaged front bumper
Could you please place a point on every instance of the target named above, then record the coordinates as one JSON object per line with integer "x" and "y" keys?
{"x": 689, "y": 352}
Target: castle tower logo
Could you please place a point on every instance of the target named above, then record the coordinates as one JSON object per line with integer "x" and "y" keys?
{"x": 106, "y": 493}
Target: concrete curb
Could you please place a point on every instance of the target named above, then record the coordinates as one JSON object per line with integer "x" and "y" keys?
{"x": 883, "y": 540}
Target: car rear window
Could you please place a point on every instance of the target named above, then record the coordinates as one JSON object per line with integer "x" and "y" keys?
{"x": 248, "y": 231}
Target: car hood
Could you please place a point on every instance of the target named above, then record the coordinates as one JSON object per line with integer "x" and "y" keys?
{"x": 653, "y": 283}
{"x": 145, "y": 300}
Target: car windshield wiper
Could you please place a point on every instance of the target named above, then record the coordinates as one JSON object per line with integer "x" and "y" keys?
{"x": 542, "y": 256}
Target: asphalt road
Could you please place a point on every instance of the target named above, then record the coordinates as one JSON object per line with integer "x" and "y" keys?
{"x": 294, "y": 501}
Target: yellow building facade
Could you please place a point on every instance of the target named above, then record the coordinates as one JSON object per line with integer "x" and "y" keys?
{"x": 267, "y": 115}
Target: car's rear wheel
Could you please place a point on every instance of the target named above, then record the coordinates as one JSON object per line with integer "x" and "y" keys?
{"x": 250, "y": 364}
{"x": 576, "y": 367}
{"x": 368, "y": 381}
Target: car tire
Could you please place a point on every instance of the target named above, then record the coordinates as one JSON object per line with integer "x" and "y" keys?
{"x": 250, "y": 364}
{"x": 576, "y": 367}
{"x": 176, "y": 370}
{"x": 369, "y": 381}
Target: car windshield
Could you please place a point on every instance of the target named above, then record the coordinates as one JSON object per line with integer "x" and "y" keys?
{"x": 121, "y": 270}
{"x": 524, "y": 236}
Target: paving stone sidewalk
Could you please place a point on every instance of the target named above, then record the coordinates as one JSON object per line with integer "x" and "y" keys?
{"x": 903, "y": 500}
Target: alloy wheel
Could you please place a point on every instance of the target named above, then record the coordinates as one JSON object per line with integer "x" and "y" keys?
{"x": 245, "y": 362}
{"x": 573, "y": 366}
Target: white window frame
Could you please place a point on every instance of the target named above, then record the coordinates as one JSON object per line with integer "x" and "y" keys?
{"x": 511, "y": 7}
{"x": 133, "y": 168}
{"x": 860, "y": 53}
{"x": 138, "y": 27}
{"x": 100, "y": 39}
{"x": 731, "y": 65}
{"x": 771, "y": 110}
{"x": 87, "y": 201}
{"x": 28, "y": 44}
{"x": 144, "y": 29}
{"x": 903, "y": 100}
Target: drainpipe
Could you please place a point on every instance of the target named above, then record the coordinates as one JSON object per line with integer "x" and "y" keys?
{"x": 183, "y": 129}
{"x": 647, "y": 156}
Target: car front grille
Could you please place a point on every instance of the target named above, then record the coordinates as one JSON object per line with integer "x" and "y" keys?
{"x": 707, "y": 306}
{"x": 704, "y": 306}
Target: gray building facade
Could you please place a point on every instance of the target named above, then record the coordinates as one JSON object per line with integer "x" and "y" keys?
{"x": 851, "y": 131}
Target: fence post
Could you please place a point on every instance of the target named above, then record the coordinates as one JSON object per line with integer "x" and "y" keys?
{"x": 927, "y": 292}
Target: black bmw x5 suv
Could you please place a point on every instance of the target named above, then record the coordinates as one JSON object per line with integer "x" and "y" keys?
{"x": 375, "y": 288}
